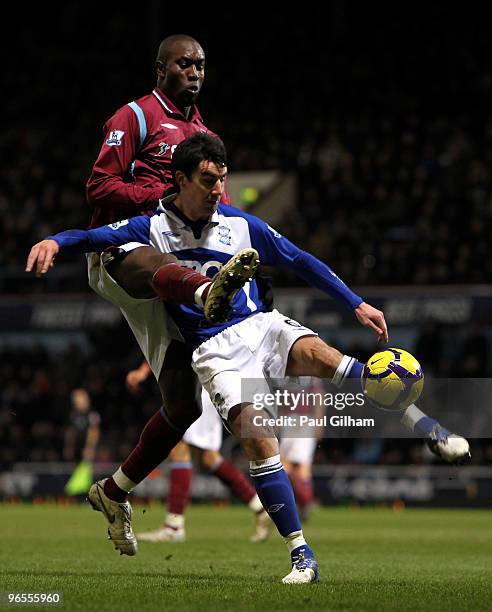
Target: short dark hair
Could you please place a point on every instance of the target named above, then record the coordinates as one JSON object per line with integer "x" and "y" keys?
{"x": 168, "y": 43}
{"x": 195, "y": 149}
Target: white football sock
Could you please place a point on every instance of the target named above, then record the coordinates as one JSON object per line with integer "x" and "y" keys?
{"x": 343, "y": 370}
{"x": 123, "y": 482}
{"x": 295, "y": 539}
{"x": 176, "y": 521}
{"x": 199, "y": 293}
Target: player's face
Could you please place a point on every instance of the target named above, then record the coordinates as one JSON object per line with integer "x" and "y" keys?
{"x": 200, "y": 195}
{"x": 181, "y": 79}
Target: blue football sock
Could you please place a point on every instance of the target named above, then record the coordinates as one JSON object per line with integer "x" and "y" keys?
{"x": 414, "y": 419}
{"x": 276, "y": 494}
{"x": 355, "y": 370}
{"x": 349, "y": 367}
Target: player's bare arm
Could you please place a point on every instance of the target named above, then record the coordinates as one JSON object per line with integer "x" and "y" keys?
{"x": 373, "y": 318}
{"x": 42, "y": 256}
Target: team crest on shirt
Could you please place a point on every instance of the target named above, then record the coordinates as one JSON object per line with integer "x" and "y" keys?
{"x": 115, "y": 138}
{"x": 224, "y": 234}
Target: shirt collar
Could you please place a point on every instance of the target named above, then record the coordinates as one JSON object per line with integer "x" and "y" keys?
{"x": 172, "y": 109}
{"x": 169, "y": 208}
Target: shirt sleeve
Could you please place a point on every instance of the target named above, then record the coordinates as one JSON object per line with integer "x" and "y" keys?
{"x": 107, "y": 185}
{"x": 275, "y": 250}
{"x": 100, "y": 238}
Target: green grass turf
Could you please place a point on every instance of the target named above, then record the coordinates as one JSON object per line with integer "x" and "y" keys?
{"x": 370, "y": 559}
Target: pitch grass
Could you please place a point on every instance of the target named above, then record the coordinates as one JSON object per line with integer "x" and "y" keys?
{"x": 370, "y": 559}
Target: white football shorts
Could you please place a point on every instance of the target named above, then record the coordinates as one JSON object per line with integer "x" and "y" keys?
{"x": 233, "y": 365}
{"x": 206, "y": 432}
{"x": 298, "y": 450}
{"x": 148, "y": 319}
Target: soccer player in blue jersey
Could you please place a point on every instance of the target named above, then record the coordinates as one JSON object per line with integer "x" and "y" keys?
{"x": 206, "y": 235}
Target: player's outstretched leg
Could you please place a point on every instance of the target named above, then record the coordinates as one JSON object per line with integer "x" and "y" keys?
{"x": 119, "y": 517}
{"x": 450, "y": 447}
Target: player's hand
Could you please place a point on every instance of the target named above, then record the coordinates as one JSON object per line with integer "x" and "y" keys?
{"x": 373, "y": 318}
{"x": 42, "y": 256}
{"x": 134, "y": 378}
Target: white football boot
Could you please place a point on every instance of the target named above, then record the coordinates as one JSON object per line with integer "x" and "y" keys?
{"x": 452, "y": 448}
{"x": 163, "y": 534}
{"x": 119, "y": 517}
{"x": 304, "y": 567}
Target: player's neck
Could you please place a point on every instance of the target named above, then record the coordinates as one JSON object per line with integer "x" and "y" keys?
{"x": 187, "y": 211}
{"x": 185, "y": 110}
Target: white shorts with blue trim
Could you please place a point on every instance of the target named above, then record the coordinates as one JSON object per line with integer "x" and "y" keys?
{"x": 253, "y": 350}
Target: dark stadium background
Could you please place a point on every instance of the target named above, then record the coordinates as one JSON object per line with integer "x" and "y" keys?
{"x": 381, "y": 112}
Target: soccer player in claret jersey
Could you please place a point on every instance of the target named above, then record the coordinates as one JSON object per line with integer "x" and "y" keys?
{"x": 131, "y": 174}
{"x": 133, "y": 169}
{"x": 252, "y": 343}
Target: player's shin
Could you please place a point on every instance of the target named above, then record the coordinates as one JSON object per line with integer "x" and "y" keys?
{"x": 180, "y": 478}
{"x": 235, "y": 480}
{"x": 178, "y": 285}
{"x": 158, "y": 438}
{"x": 275, "y": 492}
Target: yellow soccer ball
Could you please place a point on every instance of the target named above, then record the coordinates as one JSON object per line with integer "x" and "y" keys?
{"x": 392, "y": 379}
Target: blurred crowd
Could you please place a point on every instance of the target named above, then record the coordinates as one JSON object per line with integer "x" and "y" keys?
{"x": 392, "y": 148}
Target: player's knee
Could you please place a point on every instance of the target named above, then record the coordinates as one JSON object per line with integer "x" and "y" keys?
{"x": 183, "y": 416}
{"x": 210, "y": 458}
{"x": 261, "y": 447}
{"x": 181, "y": 453}
{"x": 310, "y": 356}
